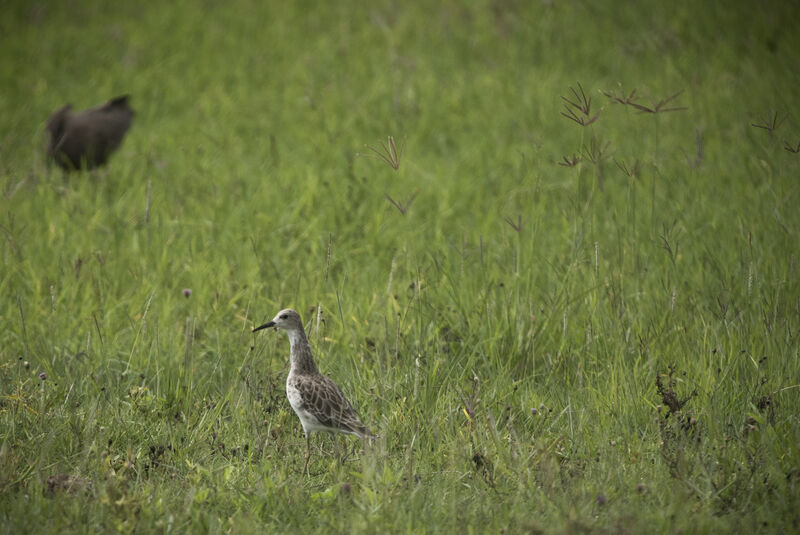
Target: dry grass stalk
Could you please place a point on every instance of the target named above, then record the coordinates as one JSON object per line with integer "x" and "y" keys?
{"x": 791, "y": 148}
{"x": 595, "y": 151}
{"x": 695, "y": 162}
{"x": 403, "y": 208}
{"x": 516, "y": 226}
{"x": 622, "y": 98}
{"x": 769, "y": 122}
{"x": 391, "y": 153}
{"x": 570, "y": 161}
{"x": 582, "y": 104}
{"x": 632, "y": 171}
{"x": 659, "y": 107}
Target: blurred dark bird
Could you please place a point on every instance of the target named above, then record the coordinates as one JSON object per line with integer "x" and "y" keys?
{"x": 86, "y": 139}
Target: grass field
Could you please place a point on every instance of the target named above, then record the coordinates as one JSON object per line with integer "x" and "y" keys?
{"x": 554, "y": 327}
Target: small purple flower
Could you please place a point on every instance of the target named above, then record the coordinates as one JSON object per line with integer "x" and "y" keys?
{"x": 42, "y": 376}
{"x": 601, "y": 500}
{"x": 534, "y": 411}
{"x": 640, "y": 488}
{"x": 187, "y": 292}
{"x": 346, "y": 488}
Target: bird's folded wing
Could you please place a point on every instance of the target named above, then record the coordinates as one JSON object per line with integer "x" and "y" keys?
{"x": 327, "y": 403}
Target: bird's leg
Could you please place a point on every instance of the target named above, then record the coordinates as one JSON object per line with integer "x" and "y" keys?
{"x": 336, "y": 447}
{"x": 308, "y": 454}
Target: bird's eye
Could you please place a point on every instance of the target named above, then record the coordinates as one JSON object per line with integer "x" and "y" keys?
{"x": 284, "y": 316}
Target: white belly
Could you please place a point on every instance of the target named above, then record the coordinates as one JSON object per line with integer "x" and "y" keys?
{"x": 308, "y": 420}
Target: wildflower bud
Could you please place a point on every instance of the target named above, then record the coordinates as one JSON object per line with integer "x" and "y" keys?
{"x": 42, "y": 376}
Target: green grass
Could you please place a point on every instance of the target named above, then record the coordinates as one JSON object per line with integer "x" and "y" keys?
{"x": 445, "y": 325}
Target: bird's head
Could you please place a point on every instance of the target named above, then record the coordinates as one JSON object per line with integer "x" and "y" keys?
{"x": 287, "y": 319}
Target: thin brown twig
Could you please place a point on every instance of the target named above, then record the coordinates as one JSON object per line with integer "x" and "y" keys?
{"x": 595, "y": 151}
{"x": 622, "y": 98}
{"x": 391, "y": 154}
{"x": 570, "y": 161}
{"x": 659, "y": 107}
{"x": 769, "y": 122}
{"x": 582, "y": 104}
{"x": 632, "y": 171}
{"x": 516, "y": 226}
{"x": 403, "y": 208}
{"x": 9, "y": 235}
{"x": 791, "y": 148}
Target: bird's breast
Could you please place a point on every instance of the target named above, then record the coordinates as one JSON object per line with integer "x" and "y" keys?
{"x": 295, "y": 399}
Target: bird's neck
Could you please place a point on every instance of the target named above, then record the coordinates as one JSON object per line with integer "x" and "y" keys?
{"x": 302, "y": 362}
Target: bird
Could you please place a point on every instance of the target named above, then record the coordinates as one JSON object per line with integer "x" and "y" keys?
{"x": 318, "y": 402}
{"x": 86, "y": 139}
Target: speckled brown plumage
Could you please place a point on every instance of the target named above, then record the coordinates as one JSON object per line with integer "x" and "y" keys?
{"x": 322, "y": 398}
{"x": 315, "y": 398}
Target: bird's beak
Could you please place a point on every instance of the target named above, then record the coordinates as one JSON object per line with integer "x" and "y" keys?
{"x": 265, "y": 326}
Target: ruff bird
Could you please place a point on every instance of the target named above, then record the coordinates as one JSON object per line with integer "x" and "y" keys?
{"x": 315, "y": 398}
